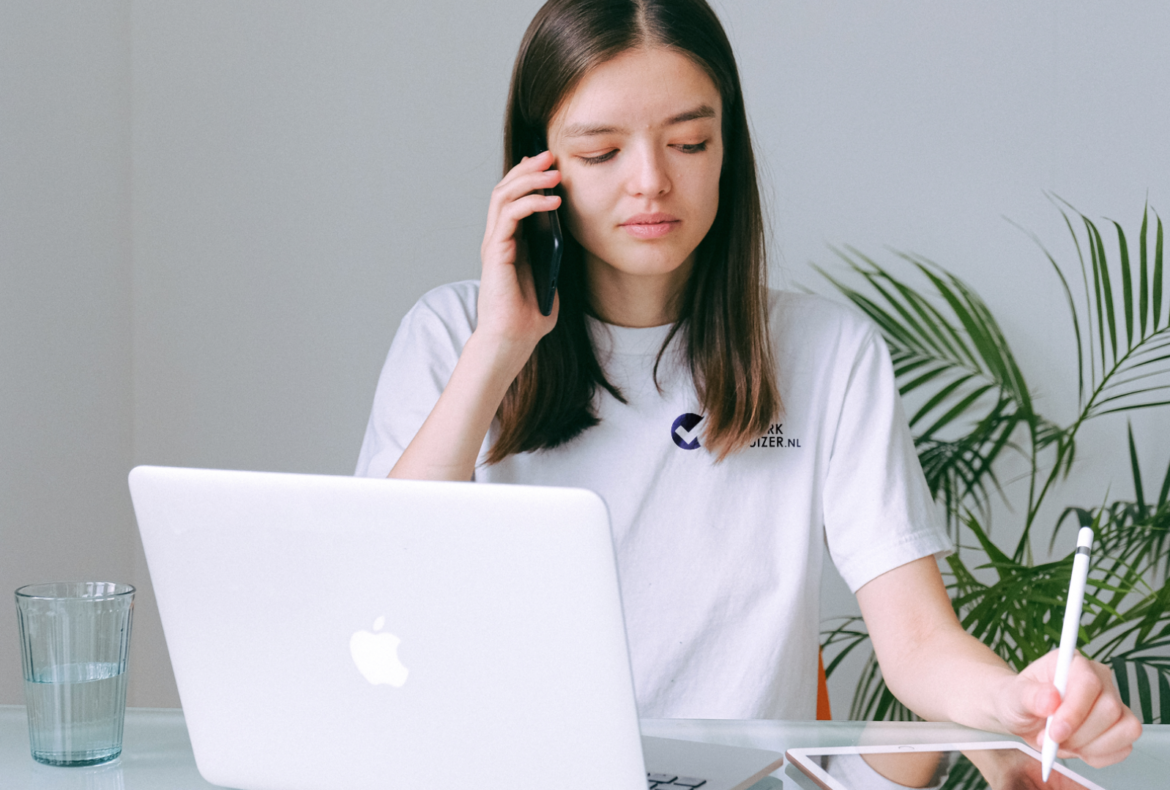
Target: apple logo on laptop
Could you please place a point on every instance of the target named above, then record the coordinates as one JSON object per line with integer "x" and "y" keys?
{"x": 376, "y": 656}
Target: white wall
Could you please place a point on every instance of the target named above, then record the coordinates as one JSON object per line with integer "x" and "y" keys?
{"x": 296, "y": 174}
{"x": 65, "y": 301}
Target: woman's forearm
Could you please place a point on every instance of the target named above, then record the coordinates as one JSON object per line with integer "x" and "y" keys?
{"x": 950, "y": 676}
{"x": 928, "y": 661}
{"x": 447, "y": 445}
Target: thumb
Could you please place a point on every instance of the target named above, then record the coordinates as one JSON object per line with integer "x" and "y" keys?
{"x": 1028, "y": 704}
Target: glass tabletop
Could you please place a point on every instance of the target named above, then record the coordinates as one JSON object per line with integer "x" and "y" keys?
{"x": 1146, "y": 769}
{"x": 157, "y": 752}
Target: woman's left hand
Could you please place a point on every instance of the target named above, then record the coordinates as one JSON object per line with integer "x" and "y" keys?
{"x": 943, "y": 673}
{"x": 1091, "y": 722}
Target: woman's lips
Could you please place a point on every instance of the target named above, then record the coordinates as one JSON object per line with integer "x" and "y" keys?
{"x": 650, "y": 226}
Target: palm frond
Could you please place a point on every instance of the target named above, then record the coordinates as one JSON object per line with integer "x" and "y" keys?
{"x": 1116, "y": 347}
{"x": 971, "y": 404}
{"x": 1152, "y": 674}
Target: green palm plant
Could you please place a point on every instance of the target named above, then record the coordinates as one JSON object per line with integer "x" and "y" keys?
{"x": 974, "y": 407}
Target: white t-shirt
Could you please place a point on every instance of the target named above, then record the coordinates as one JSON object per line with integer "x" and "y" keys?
{"x": 720, "y": 563}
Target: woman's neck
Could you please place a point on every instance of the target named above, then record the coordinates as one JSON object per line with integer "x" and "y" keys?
{"x": 635, "y": 300}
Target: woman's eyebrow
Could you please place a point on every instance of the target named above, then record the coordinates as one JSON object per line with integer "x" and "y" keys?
{"x": 592, "y": 130}
{"x": 702, "y": 111}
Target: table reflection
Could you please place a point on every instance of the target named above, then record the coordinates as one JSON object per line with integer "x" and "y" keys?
{"x": 108, "y": 776}
{"x": 975, "y": 769}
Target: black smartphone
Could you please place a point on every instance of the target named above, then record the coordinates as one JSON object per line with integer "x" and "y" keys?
{"x": 546, "y": 243}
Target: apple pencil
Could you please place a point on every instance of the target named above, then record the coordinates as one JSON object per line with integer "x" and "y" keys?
{"x": 1068, "y": 635}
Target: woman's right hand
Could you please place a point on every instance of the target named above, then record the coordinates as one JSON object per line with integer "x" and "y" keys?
{"x": 509, "y": 317}
{"x": 509, "y": 327}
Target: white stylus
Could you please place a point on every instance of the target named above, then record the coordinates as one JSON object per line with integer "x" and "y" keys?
{"x": 1068, "y": 635}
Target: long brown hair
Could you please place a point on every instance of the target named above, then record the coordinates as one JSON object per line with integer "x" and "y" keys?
{"x": 724, "y": 307}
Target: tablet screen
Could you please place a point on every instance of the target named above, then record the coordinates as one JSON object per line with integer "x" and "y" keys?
{"x": 954, "y": 767}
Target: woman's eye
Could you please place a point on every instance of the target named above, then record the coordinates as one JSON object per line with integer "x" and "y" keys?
{"x": 596, "y": 160}
{"x": 692, "y": 148}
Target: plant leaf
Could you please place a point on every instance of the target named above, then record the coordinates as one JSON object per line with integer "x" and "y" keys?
{"x": 1162, "y": 496}
{"x": 1097, "y": 246}
{"x": 1158, "y": 276}
{"x": 956, "y": 411}
{"x": 1137, "y": 474}
{"x": 1126, "y": 284}
{"x": 1163, "y": 699}
{"x": 1155, "y": 611}
{"x": 935, "y": 399}
{"x": 1143, "y": 288}
{"x": 1121, "y": 675}
{"x": 1144, "y": 696}
{"x": 1072, "y": 307}
{"x": 1102, "y": 328}
{"x": 929, "y": 376}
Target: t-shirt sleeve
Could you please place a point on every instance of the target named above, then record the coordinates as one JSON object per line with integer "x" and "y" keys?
{"x": 879, "y": 513}
{"x": 419, "y": 365}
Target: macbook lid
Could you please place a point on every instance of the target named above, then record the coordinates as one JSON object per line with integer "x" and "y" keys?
{"x": 355, "y": 633}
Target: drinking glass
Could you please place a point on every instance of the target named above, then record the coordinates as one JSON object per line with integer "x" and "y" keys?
{"x": 74, "y": 640}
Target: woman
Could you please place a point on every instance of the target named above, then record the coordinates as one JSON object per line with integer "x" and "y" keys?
{"x": 729, "y": 428}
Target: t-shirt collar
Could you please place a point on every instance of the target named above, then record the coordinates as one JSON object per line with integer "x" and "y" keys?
{"x": 610, "y": 339}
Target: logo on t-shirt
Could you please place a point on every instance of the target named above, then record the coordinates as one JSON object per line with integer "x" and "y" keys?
{"x": 775, "y": 438}
{"x": 685, "y": 431}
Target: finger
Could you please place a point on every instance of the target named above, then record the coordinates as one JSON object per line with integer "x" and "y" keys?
{"x": 1107, "y": 714}
{"x": 505, "y": 189}
{"x": 515, "y": 210}
{"x": 1027, "y": 704}
{"x": 499, "y": 243}
{"x": 513, "y": 188}
{"x": 518, "y": 184}
{"x": 528, "y": 166}
{"x": 1121, "y": 728}
{"x": 1083, "y": 694}
{"x": 534, "y": 161}
{"x": 1038, "y": 699}
{"x": 512, "y": 213}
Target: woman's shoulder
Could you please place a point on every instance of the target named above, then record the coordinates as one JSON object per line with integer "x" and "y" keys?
{"x": 452, "y": 305}
{"x": 811, "y": 316}
{"x": 816, "y": 339}
{"x": 442, "y": 317}
{"x": 457, "y": 298}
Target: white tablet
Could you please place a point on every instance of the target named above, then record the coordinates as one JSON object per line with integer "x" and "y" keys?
{"x": 946, "y": 766}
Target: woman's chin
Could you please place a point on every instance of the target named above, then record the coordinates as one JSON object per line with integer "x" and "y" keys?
{"x": 655, "y": 267}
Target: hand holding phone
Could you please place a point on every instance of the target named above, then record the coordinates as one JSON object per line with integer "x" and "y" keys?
{"x": 545, "y": 242}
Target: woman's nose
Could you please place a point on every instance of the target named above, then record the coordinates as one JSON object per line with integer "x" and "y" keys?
{"x": 648, "y": 176}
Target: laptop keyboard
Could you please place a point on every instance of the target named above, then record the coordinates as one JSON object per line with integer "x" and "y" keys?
{"x": 672, "y": 782}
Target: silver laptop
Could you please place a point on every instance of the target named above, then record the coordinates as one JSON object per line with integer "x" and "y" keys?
{"x": 337, "y": 632}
